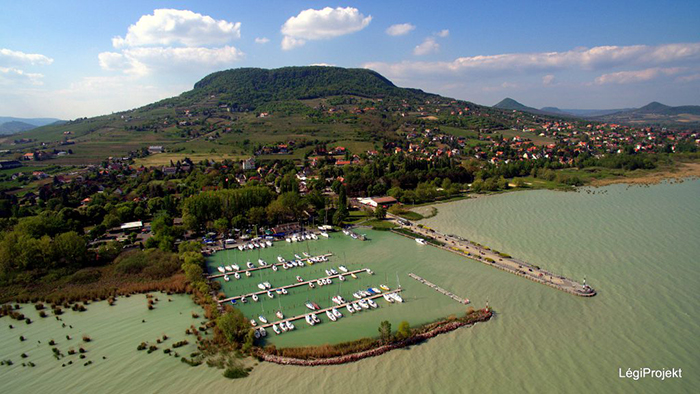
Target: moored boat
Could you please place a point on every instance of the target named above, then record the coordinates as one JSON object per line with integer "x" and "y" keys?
{"x": 262, "y": 319}
{"x": 276, "y": 329}
{"x": 279, "y": 314}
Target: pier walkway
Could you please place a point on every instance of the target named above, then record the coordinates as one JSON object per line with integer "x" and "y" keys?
{"x": 439, "y": 289}
{"x": 487, "y": 256}
{"x": 319, "y": 311}
{"x": 306, "y": 282}
{"x": 269, "y": 266}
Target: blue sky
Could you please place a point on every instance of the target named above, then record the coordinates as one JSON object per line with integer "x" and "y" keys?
{"x": 69, "y": 59}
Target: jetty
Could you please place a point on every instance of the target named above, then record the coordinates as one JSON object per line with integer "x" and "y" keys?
{"x": 465, "y": 248}
{"x": 306, "y": 282}
{"x": 330, "y": 308}
{"x": 439, "y": 289}
{"x": 262, "y": 267}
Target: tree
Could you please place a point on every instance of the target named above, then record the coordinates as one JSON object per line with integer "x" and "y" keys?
{"x": 380, "y": 213}
{"x": 404, "y": 331}
{"x": 193, "y": 272}
{"x": 385, "y": 331}
{"x": 233, "y": 326}
{"x": 221, "y": 225}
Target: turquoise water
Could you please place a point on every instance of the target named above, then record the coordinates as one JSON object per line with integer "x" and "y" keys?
{"x": 637, "y": 246}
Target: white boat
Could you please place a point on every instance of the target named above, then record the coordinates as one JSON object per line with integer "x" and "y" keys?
{"x": 283, "y": 327}
{"x": 248, "y": 273}
{"x": 240, "y": 247}
{"x": 263, "y": 332}
{"x": 357, "y": 295}
{"x": 279, "y": 314}
{"x": 250, "y": 265}
{"x": 229, "y": 268}
{"x": 369, "y": 271}
{"x": 314, "y": 236}
{"x": 320, "y": 283}
{"x": 363, "y": 304}
{"x": 421, "y": 241}
{"x": 310, "y": 305}
{"x": 328, "y": 273}
{"x": 297, "y": 256}
{"x": 261, "y": 286}
{"x": 235, "y": 267}
{"x": 311, "y": 285}
{"x": 306, "y": 254}
{"x": 299, "y": 279}
{"x": 324, "y": 234}
{"x": 372, "y": 304}
{"x": 337, "y": 313}
{"x": 276, "y": 329}
{"x": 254, "y": 297}
{"x": 350, "y": 308}
{"x": 309, "y": 320}
{"x": 243, "y": 300}
{"x": 343, "y": 268}
{"x": 336, "y": 300}
{"x": 353, "y": 275}
{"x": 397, "y": 297}
{"x": 284, "y": 291}
{"x": 289, "y": 325}
{"x": 237, "y": 275}
{"x": 376, "y": 290}
{"x": 274, "y": 268}
{"x": 331, "y": 316}
{"x": 253, "y": 322}
{"x": 316, "y": 319}
{"x": 262, "y": 262}
{"x": 280, "y": 259}
{"x": 342, "y": 278}
{"x": 267, "y": 285}
{"x": 226, "y": 278}
{"x": 288, "y": 239}
{"x": 329, "y": 281}
{"x": 356, "y": 307}
{"x": 257, "y": 334}
{"x": 221, "y": 269}
{"x": 269, "y": 244}
{"x": 269, "y": 294}
{"x": 341, "y": 299}
{"x": 334, "y": 272}
{"x": 388, "y": 297}
{"x": 278, "y": 291}
{"x": 262, "y": 319}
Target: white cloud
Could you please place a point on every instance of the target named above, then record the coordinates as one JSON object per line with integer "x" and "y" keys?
{"x": 262, "y": 40}
{"x": 178, "y": 27}
{"x": 322, "y": 24}
{"x": 548, "y": 80}
{"x": 143, "y": 61}
{"x": 11, "y": 75}
{"x": 323, "y": 65}
{"x": 400, "y": 29}
{"x": 604, "y": 57}
{"x": 428, "y": 46}
{"x": 688, "y": 78}
{"x": 9, "y": 57}
{"x": 625, "y": 77}
{"x": 443, "y": 33}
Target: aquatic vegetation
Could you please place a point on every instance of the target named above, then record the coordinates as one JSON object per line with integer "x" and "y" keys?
{"x": 142, "y": 346}
{"x": 86, "y": 338}
{"x": 235, "y": 373}
{"x": 180, "y": 344}
{"x": 152, "y": 349}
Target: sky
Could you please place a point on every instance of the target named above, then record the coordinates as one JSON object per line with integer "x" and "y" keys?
{"x": 70, "y": 59}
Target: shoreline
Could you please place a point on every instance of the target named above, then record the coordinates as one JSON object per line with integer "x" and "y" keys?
{"x": 684, "y": 171}
{"x": 485, "y": 315}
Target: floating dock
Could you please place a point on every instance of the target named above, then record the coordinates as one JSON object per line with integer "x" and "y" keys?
{"x": 439, "y": 289}
{"x": 318, "y": 311}
{"x": 306, "y": 282}
{"x": 269, "y": 266}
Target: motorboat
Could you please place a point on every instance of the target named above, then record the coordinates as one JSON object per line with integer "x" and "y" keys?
{"x": 235, "y": 267}
{"x": 250, "y": 265}
{"x": 370, "y": 291}
{"x": 369, "y": 271}
{"x": 257, "y": 334}
{"x": 267, "y": 285}
{"x": 253, "y": 322}
{"x": 337, "y": 313}
{"x": 289, "y": 325}
{"x": 284, "y": 291}
{"x": 297, "y": 256}
{"x": 336, "y": 300}
{"x": 255, "y": 297}
{"x": 333, "y": 271}
{"x": 288, "y": 239}
{"x": 263, "y": 332}
{"x": 310, "y": 305}
{"x": 269, "y": 244}
{"x": 279, "y": 314}
{"x": 363, "y": 304}
{"x": 274, "y": 268}
{"x": 221, "y": 269}
{"x": 299, "y": 279}
{"x": 262, "y": 319}
{"x": 240, "y": 247}
{"x": 384, "y": 287}
{"x": 372, "y": 304}
{"x": 353, "y": 275}
{"x": 397, "y": 297}
{"x": 314, "y": 236}
{"x": 357, "y": 295}
{"x": 377, "y": 291}
{"x": 306, "y": 254}
{"x": 243, "y": 300}
{"x": 261, "y": 286}
{"x": 262, "y": 262}
{"x": 269, "y": 294}
{"x": 356, "y": 306}
{"x": 311, "y": 285}
{"x": 421, "y": 241}
{"x": 343, "y": 268}
{"x": 329, "y": 281}
{"x": 350, "y": 309}
{"x": 283, "y": 327}
{"x": 278, "y": 291}
{"x": 328, "y": 273}
{"x": 226, "y": 278}
{"x": 309, "y": 320}
{"x": 331, "y": 316}
{"x": 248, "y": 274}
{"x": 324, "y": 234}
{"x": 388, "y": 297}
{"x": 315, "y": 318}
{"x": 276, "y": 329}
{"x": 280, "y": 259}
{"x": 342, "y": 278}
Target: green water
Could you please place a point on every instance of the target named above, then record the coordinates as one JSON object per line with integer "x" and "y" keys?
{"x": 637, "y": 246}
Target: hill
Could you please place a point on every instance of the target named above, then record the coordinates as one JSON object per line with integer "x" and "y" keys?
{"x": 11, "y": 125}
{"x": 14, "y": 127}
{"x": 273, "y": 114}
{"x": 510, "y": 104}
{"x": 656, "y": 113}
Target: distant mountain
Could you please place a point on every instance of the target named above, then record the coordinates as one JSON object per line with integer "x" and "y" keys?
{"x": 583, "y": 113}
{"x": 655, "y": 113}
{"x": 11, "y": 125}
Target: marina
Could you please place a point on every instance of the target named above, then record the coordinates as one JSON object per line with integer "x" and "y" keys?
{"x": 268, "y": 266}
{"x": 293, "y": 285}
{"x": 439, "y": 289}
{"x": 324, "y": 310}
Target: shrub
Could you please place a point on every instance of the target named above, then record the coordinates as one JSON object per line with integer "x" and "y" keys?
{"x": 235, "y": 373}
{"x": 86, "y": 276}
